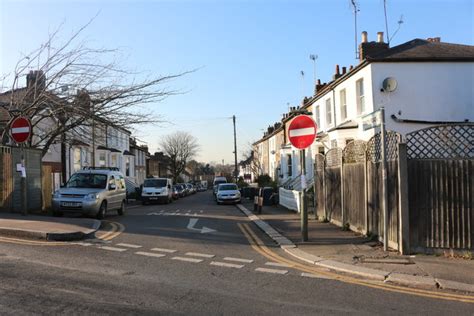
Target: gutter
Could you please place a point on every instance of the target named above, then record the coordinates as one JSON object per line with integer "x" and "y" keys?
{"x": 399, "y": 120}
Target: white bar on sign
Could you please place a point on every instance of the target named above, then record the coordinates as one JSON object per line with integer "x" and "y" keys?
{"x": 302, "y": 131}
{"x": 17, "y": 130}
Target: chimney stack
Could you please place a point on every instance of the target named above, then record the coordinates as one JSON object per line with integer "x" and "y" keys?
{"x": 344, "y": 69}
{"x": 36, "y": 80}
{"x": 337, "y": 74}
{"x": 379, "y": 37}
{"x": 371, "y": 49}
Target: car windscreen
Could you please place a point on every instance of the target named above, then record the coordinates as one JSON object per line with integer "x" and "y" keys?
{"x": 227, "y": 187}
{"x": 87, "y": 180}
{"x": 217, "y": 182}
{"x": 155, "y": 183}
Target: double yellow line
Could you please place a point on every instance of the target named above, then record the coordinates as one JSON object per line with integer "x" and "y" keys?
{"x": 257, "y": 244}
{"x": 116, "y": 230}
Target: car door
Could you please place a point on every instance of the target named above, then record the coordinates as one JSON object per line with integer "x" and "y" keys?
{"x": 112, "y": 193}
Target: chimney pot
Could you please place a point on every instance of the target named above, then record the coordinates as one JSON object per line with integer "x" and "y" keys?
{"x": 364, "y": 37}
{"x": 351, "y": 67}
{"x": 379, "y": 37}
{"x": 344, "y": 69}
{"x": 337, "y": 70}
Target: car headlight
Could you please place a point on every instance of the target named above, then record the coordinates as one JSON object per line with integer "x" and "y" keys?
{"x": 237, "y": 194}
{"x": 92, "y": 196}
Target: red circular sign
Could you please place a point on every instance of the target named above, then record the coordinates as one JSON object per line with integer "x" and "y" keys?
{"x": 20, "y": 129}
{"x": 302, "y": 131}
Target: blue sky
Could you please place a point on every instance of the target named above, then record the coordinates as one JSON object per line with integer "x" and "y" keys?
{"x": 249, "y": 54}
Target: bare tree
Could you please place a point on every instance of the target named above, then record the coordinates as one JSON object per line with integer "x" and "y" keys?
{"x": 181, "y": 147}
{"x": 74, "y": 88}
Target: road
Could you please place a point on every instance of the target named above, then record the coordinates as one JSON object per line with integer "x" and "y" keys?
{"x": 188, "y": 257}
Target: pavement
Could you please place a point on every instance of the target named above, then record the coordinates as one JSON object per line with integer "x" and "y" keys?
{"x": 330, "y": 247}
{"x": 47, "y": 227}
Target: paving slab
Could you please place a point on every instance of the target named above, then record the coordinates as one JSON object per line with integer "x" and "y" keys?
{"x": 47, "y": 228}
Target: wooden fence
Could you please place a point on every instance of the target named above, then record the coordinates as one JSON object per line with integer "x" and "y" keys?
{"x": 441, "y": 182}
{"x": 430, "y": 186}
{"x": 10, "y": 199}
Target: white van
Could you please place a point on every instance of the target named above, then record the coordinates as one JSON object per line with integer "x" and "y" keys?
{"x": 218, "y": 180}
{"x": 157, "y": 190}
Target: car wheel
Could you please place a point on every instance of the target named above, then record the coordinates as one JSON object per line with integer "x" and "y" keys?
{"x": 121, "y": 210}
{"x": 102, "y": 211}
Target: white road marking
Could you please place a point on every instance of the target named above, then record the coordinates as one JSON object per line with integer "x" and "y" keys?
{"x": 85, "y": 244}
{"x": 164, "y": 250}
{"x": 129, "y": 246}
{"x": 112, "y": 248}
{"x": 276, "y": 264}
{"x": 187, "y": 259}
{"x": 195, "y": 254}
{"x": 227, "y": 265}
{"x": 238, "y": 260}
{"x": 150, "y": 254}
{"x": 302, "y": 131}
{"x": 276, "y": 271}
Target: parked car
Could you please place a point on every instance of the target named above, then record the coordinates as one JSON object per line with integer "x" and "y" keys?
{"x": 200, "y": 188}
{"x": 217, "y": 181}
{"x": 191, "y": 188}
{"x": 180, "y": 189}
{"x": 92, "y": 192}
{"x": 227, "y": 193}
{"x": 175, "y": 192}
{"x": 157, "y": 190}
{"x": 185, "y": 188}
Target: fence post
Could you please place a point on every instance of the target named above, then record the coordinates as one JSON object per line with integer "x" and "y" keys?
{"x": 403, "y": 207}
{"x": 343, "y": 211}
{"x": 366, "y": 195}
{"x": 324, "y": 189}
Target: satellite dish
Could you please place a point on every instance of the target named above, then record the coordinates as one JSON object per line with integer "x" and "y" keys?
{"x": 389, "y": 84}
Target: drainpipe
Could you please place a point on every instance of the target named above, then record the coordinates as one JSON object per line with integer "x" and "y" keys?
{"x": 334, "y": 105}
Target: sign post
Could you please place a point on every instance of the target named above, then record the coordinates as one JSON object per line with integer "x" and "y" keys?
{"x": 302, "y": 132}
{"x": 20, "y": 131}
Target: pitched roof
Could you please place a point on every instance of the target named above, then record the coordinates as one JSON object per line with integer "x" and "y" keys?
{"x": 424, "y": 50}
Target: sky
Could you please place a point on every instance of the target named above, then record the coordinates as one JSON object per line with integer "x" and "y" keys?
{"x": 247, "y": 55}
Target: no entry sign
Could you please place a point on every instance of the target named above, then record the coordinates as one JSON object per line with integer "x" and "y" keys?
{"x": 302, "y": 131}
{"x": 20, "y": 129}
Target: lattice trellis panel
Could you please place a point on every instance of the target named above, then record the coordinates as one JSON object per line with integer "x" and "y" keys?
{"x": 444, "y": 141}
{"x": 354, "y": 152}
{"x": 374, "y": 146}
{"x": 333, "y": 157}
{"x": 319, "y": 162}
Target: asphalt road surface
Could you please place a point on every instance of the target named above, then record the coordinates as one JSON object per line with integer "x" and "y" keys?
{"x": 188, "y": 257}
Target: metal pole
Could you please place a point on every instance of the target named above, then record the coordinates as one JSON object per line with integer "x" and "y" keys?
{"x": 384, "y": 181}
{"x": 93, "y": 135}
{"x": 304, "y": 210}
{"x": 236, "y": 174}
{"x": 24, "y": 200}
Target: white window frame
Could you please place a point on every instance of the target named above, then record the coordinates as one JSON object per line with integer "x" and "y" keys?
{"x": 328, "y": 112}
{"x": 343, "y": 104}
{"x": 360, "y": 96}
{"x": 317, "y": 116}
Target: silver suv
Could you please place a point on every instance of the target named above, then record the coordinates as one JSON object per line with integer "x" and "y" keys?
{"x": 92, "y": 192}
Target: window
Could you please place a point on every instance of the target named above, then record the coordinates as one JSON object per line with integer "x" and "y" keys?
{"x": 288, "y": 159}
{"x": 360, "y": 96}
{"x": 127, "y": 167}
{"x": 114, "y": 161}
{"x": 102, "y": 159}
{"x": 343, "y": 105}
{"x": 333, "y": 143}
{"x": 318, "y": 117}
{"x": 321, "y": 150}
{"x": 328, "y": 112}
{"x": 77, "y": 159}
{"x": 111, "y": 181}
